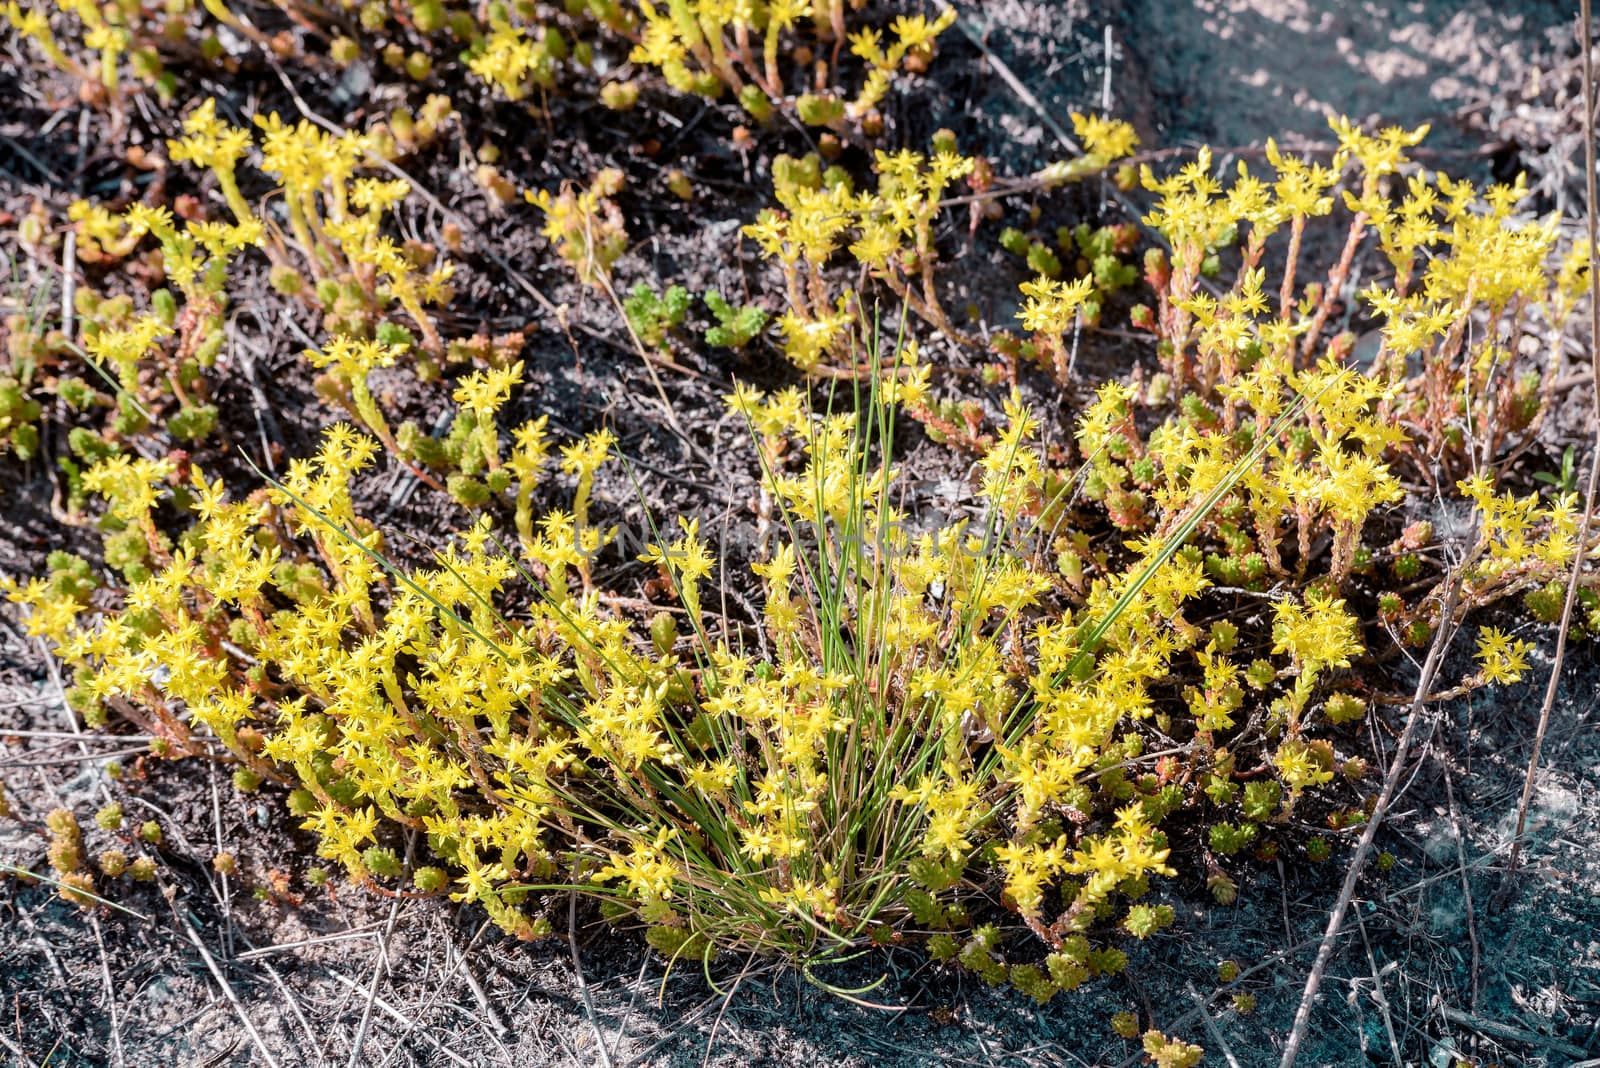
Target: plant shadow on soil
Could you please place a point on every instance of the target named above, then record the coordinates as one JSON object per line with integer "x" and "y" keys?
{"x": 1185, "y": 72}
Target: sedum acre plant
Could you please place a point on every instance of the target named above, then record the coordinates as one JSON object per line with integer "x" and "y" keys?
{"x": 770, "y": 55}
{"x": 707, "y": 47}
{"x": 921, "y": 707}
{"x": 329, "y": 248}
{"x": 515, "y": 48}
{"x": 890, "y": 235}
{"x": 1133, "y": 653}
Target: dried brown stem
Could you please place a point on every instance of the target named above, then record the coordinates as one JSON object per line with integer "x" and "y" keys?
{"x": 1391, "y": 783}
{"x": 1507, "y": 885}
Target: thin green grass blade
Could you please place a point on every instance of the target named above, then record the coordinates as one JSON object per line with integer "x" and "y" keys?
{"x": 1176, "y": 540}
{"x": 13, "y": 869}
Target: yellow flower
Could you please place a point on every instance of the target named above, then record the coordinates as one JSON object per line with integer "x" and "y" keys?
{"x": 1502, "y": 658}
{"x": 505, "y": 59}
{"x": 1320, "y": 633}
{"x": 1051, "y": 306}
{"x": 1109, "y": 139}
{"x": 647, "y": 869}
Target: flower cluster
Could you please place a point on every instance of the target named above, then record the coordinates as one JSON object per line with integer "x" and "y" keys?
{"x": 889, "y": 232}
{"x": 707, "y": 47}
{"x": 1106, "y": 661}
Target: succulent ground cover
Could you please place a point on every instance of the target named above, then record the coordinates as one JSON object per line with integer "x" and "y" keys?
{"x": 660, "y": 477}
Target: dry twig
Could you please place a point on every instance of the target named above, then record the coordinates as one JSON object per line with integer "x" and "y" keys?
{"x": 187, "y": 926}
{"x": 1466, "y": 883}
{"x": 1507, "y": 884}
{"x": 399, "y": 1017}
{"x": 495, "y": 1021}
{"x": 419, "y": 1014}
{"x": 1507, "y": 1033}
{"x": 111, "y": 993}
{"x": 583, "y": 987}
{"x": 1211, "y": 1025}
{"x": 1391, "y": 781}
{"x": 379, "y": 969}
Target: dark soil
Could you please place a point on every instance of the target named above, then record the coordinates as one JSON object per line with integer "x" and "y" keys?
{"x": 1423, "y": 956}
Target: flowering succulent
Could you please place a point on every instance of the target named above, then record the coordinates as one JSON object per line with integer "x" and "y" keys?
{"x": 1050, "y": 691}
{"x": 893, "y": 240}
{"x": 585, "y": 225}
{"x": 707, "y": 47}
